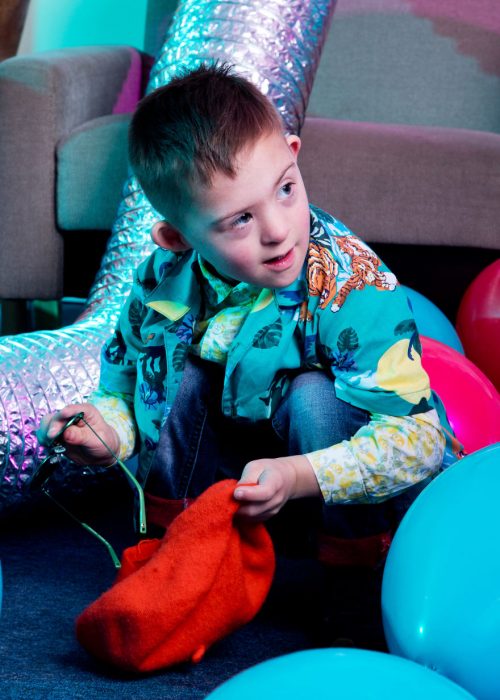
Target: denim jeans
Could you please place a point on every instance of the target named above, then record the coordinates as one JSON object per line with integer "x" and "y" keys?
{"x": 199, "y": 445}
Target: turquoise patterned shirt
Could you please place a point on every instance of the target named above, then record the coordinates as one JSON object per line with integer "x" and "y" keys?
{"x": 346, "y": 314}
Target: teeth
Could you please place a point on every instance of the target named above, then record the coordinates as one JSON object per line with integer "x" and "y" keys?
{"x": 278, "y": 258}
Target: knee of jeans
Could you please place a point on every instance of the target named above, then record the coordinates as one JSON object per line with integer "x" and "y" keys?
{"x": 311, "y": 415}
{"x": 293, "y": 406}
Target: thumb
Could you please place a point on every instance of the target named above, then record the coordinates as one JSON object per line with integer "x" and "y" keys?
{"x": 251, "y": 474}
{"x": 254, "y": 474}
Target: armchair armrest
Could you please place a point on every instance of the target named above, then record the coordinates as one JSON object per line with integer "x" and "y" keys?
{"x": 43, "y": 97}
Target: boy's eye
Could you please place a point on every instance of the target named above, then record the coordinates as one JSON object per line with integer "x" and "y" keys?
{"x": 287, "y": 189}
{"x": 242, "y": 220}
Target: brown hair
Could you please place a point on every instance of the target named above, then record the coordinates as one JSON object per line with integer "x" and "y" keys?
{"x": 186, "y": 131}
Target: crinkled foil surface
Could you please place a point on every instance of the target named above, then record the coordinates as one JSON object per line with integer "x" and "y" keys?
{"x": 277, "y": 45}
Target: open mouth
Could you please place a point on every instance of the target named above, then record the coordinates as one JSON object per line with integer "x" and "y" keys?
{"x": 281, "y": 261}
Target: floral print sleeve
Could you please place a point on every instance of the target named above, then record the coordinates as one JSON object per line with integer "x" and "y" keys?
{"x": 119, "y": 413}
{"x": 384, "y": 457}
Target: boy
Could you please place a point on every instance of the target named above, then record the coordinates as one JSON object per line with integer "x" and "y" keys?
{"x": 262, "y": 340}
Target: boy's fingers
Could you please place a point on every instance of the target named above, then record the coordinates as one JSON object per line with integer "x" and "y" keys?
{"x": 42, "y": 432}
{"x": 75, "y": 436}
{"x": 257, "y": 492}
{"x": 256, "y": 513}
{"x": 50, "y": 425}
{"x": 251, "y": 493}
{"x": 251, "y": 473}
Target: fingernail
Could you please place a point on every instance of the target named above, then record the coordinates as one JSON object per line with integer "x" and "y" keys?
{"x": 239, "y": 493}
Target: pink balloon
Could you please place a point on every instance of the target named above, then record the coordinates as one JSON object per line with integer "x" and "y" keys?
{"x": 472, "y": 403}
{"x": 478, "y": 322}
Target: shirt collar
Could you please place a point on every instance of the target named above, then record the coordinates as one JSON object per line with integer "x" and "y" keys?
{"x": 182, "y": 286}
{"x": 243, "y": 293}
{"x": 220, "y": 290}
{"x": 181, "y": 297}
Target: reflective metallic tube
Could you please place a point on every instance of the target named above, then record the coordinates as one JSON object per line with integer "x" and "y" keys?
{"x": 277, "y": 45}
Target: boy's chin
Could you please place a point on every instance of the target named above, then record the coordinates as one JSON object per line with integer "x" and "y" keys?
{"x": 281, "y": 282}
{"x": 281, "y": 285}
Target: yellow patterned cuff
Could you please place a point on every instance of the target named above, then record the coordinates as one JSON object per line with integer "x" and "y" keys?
{"x": 338, "y": 474}
{"x": 386, "y": 456}
{"x": 118, "y": 413}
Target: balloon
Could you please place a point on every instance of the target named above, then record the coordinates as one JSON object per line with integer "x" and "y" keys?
{"x": 431, "y": 321}
{"x": 338, "y": 673}
{"x": 478, "y": 322}
{"x": 441, "y": 585}
{"x": 472, "y": 403}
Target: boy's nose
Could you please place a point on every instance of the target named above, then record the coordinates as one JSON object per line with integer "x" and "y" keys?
{"x": 274, "y": 231}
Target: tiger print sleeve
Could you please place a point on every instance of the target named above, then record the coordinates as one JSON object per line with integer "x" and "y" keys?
{"x": 384, "y": 457}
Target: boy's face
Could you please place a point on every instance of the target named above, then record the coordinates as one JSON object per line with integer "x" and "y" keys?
{"x": 254, "y": 227}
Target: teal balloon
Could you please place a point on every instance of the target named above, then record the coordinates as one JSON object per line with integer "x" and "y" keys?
{"x": 431, "y": 321}
{"x": 441, "y": 586}
{"x": 341, "y": 674}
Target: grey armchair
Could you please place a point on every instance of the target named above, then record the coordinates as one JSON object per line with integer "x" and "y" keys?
{"x": 44, "y": 99}
{"x": 62, "y": 159}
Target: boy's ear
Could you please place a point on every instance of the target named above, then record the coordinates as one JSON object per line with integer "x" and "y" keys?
{"x": 294, "y": 144}
{"x": 169, "y": 238}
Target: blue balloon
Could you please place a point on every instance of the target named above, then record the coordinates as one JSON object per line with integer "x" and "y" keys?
{"x": 431, "y": 321}
{"x": 338, "y": 673}
{"x": 441, "y": 587}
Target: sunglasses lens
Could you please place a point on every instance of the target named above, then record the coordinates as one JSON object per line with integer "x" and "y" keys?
{"x": 49, "y": 464}
{"x": 44, "y": 471}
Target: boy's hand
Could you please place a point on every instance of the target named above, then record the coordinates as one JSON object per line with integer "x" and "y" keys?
{"x": 267, "y": 484}
{"x": 82, "y": 446}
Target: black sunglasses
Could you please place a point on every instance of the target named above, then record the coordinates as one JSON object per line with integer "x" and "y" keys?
{"x": 47, "y": 467}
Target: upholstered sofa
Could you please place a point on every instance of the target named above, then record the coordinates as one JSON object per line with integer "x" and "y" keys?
{"x": 424, "y": 194}
{"x": 425, "y": 197}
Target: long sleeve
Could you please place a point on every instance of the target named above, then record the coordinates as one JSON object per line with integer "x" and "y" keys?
{"x": 114, "y": 397}
{"x": 360, "y": 329}
{"x": 118, "y": 411}
{"x": 384, "y": 457}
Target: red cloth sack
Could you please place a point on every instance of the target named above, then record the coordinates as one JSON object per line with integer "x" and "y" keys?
{"x": 209, "y": 575}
